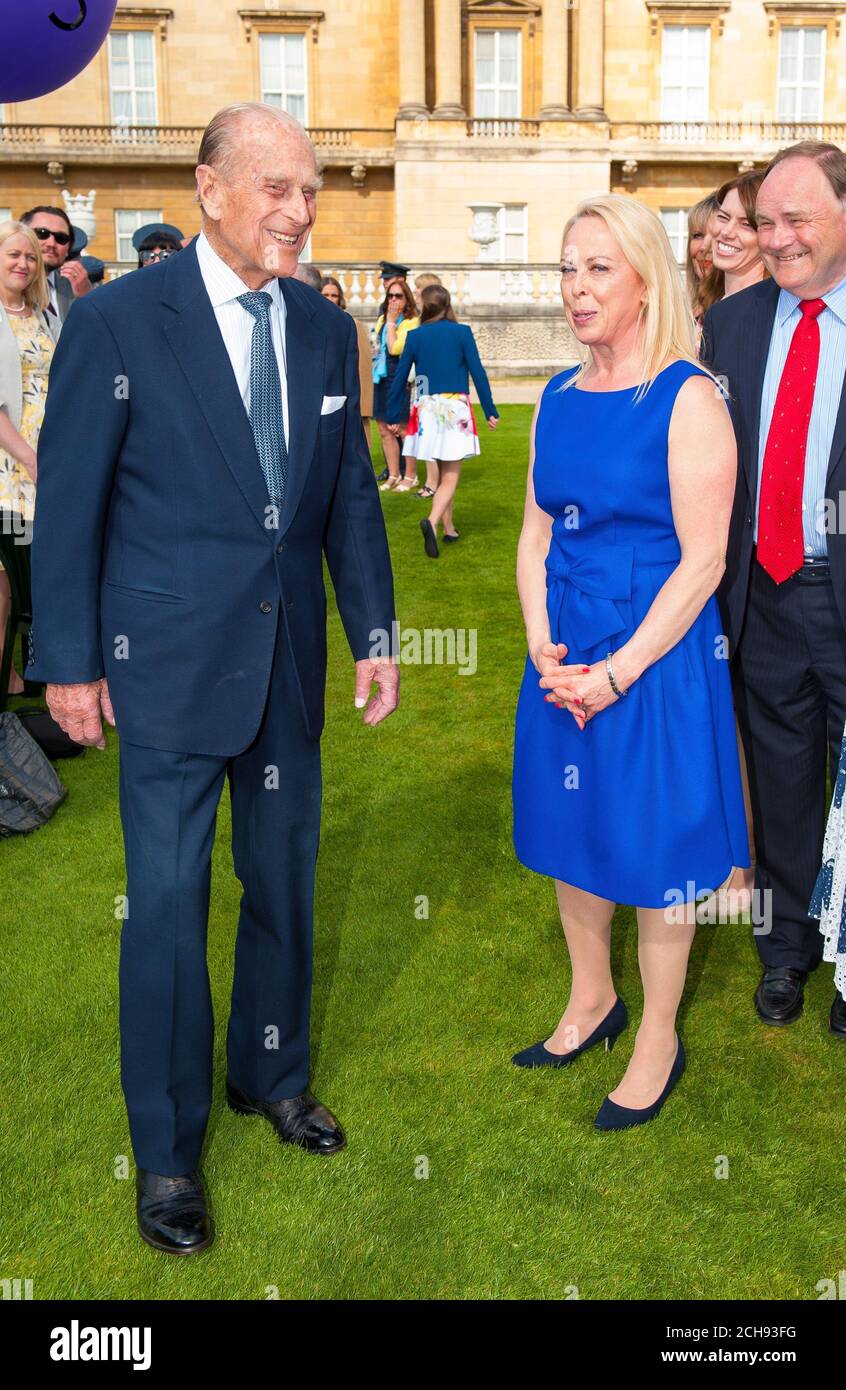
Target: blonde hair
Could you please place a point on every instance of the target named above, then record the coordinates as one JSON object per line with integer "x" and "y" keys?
{"x": 36, "y": 295}
{"x": 422, "y": 282}
{"x": 666, "y": 325}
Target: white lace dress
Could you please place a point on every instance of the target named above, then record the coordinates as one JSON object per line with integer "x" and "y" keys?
{"x": 828, "y": 900}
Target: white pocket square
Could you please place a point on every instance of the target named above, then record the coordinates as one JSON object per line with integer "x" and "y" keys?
{"x": 331, "y": 403}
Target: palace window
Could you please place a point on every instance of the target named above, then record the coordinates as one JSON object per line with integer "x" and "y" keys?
{"x": 511, "y": 243}
{"x": 497, "y": 73}
{"x": 685, "y": 53}
{"x": 675, "y": 225}
{"x": 283, "y": 79}
{"x": 127, "y": 222}
{"x": 801, "y": 69}
{"x": 132, "y": 77}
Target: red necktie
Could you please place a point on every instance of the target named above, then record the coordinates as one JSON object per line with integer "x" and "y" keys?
{"x": 781, "y": 549}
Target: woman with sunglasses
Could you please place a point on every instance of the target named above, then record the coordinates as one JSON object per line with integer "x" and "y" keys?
{"x": 157, "y": 248}
{"x": 397, "y": 316}
{"x": 27, "y": 339}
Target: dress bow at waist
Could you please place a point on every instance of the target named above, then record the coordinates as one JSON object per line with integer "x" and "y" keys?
{"x": 585, "y": 589}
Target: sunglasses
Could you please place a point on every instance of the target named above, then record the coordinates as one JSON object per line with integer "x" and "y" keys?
{"x": 396, "y": 296}
{"x": 60, "y": 238}
{"x": 147, "y": 256}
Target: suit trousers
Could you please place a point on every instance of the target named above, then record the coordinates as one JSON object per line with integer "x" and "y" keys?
{"x": 168, "y": 806}
{"x": 790, "y": 688}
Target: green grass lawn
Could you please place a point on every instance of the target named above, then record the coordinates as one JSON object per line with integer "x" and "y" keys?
{"x": 415, "y": 1021}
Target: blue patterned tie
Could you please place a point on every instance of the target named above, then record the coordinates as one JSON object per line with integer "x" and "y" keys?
{"x": 266, "y": 396}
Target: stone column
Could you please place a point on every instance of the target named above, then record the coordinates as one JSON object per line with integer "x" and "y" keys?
{"x": 590, "y": 32}
{"x": 448, "y": 61}
{"x": 412, "y": 60}
{"x": 554, "y": 75}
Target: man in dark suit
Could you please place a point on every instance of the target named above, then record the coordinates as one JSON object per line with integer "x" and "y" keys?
{"x": 202, "y": 449}
{"x": 780, "y": 345}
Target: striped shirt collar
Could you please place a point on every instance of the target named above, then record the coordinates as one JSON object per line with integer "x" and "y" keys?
{"x": 221, "y": 282}
{"x": 834, "y": 299}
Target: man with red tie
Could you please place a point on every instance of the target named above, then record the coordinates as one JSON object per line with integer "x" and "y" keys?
{"x": 780, "y": 346}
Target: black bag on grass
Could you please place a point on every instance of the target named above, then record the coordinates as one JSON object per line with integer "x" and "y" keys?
{"x": 30, "y": 791}
{"x": 52, "y": 740}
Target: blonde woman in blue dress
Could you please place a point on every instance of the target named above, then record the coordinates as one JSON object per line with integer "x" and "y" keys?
{"x": 26, "y": 351}
{"x": 626, "y": 775}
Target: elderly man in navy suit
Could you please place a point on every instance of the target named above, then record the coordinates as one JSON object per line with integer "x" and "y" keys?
{"x": 781, "y": 345}
{"x": 202, "y": 450}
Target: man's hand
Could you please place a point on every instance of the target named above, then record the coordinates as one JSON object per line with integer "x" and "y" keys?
{"x": 386, "y": 675}
{"x": 79, "y": 710}
{"x": 77, "y": 274}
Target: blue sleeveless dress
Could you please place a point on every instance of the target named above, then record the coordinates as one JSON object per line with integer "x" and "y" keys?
{"x": 645, "y": 805}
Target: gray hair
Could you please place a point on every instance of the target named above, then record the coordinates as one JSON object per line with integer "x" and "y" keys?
{"x": 830, "y": 159}
{"x": 218, "y": 147}
{"x": 309, "y": 274}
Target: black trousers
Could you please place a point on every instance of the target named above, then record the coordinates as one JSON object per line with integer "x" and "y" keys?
{"x": 790, "y": 689}
{"x": 168, "y": 808}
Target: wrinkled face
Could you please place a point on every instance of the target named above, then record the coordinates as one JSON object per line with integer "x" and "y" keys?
{"x": 18, "y": 268}
{"x": 600, "y": 290}
{"x": 801, "y": 228}
{"x": 260, "y": 206}
{"x": 54, "y": 238}
{"x": 47, "y": 42}
{"x": 735, "y": 241}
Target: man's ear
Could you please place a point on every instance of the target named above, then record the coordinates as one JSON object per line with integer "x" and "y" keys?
{"x": 209, "y": 192}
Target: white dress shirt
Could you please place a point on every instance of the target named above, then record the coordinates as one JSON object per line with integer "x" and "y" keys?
{"x": 236, "y": 323}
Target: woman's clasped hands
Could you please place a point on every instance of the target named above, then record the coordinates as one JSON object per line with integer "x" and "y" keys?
{"x": 583, "y": 690}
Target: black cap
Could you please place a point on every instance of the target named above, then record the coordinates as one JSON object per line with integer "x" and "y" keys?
{"x": 80, "y": 241}
{"x": 95, "y": 267}
{"x": 391, "y": 268}
{"x": 153, "y": 229}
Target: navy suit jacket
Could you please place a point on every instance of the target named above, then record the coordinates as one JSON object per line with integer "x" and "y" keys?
{"x": 152, "y": 560}
{"x": 736, "y": 336}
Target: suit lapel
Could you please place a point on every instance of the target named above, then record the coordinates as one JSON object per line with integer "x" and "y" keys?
{"x": 756, "y": 331}
{"x": 305, "y": 348}
{"x": 198, "y": 346}
{"x": 838, "y": 439}
{"x": 193, "y": 333}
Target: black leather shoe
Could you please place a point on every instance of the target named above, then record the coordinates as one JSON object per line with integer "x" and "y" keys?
{"x": 837, "y": 1017}
{"x": 301, "y": 1120}
{"x": 780, "y": 997}
{"x": 172, "y": 1213}
{"x": 380, "y": 477}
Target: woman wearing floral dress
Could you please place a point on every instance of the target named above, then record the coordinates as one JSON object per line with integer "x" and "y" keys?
{"x": 828, "y": 901}
{"x": 26, "y": 351}
{"x": 441, "y": 425}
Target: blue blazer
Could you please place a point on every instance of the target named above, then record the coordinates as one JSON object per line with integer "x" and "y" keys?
{"x": 152, "y": 560}
{"x": 443, "y": 353}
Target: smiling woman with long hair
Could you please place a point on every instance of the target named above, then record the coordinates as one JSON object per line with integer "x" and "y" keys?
{"x": 626, "y": 779}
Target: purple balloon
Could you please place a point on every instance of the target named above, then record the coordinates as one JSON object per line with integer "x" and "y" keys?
{"x": 47, "y": 42}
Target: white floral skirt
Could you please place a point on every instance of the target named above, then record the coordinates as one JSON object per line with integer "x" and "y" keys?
{"x": 828, "y": 901}
{"x": 442, "y": 427}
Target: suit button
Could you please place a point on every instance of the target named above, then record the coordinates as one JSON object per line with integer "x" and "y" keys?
{"x": 283, "y": 545}
{"x": 266, "y": 607}
{"x": 749, "y": 521}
